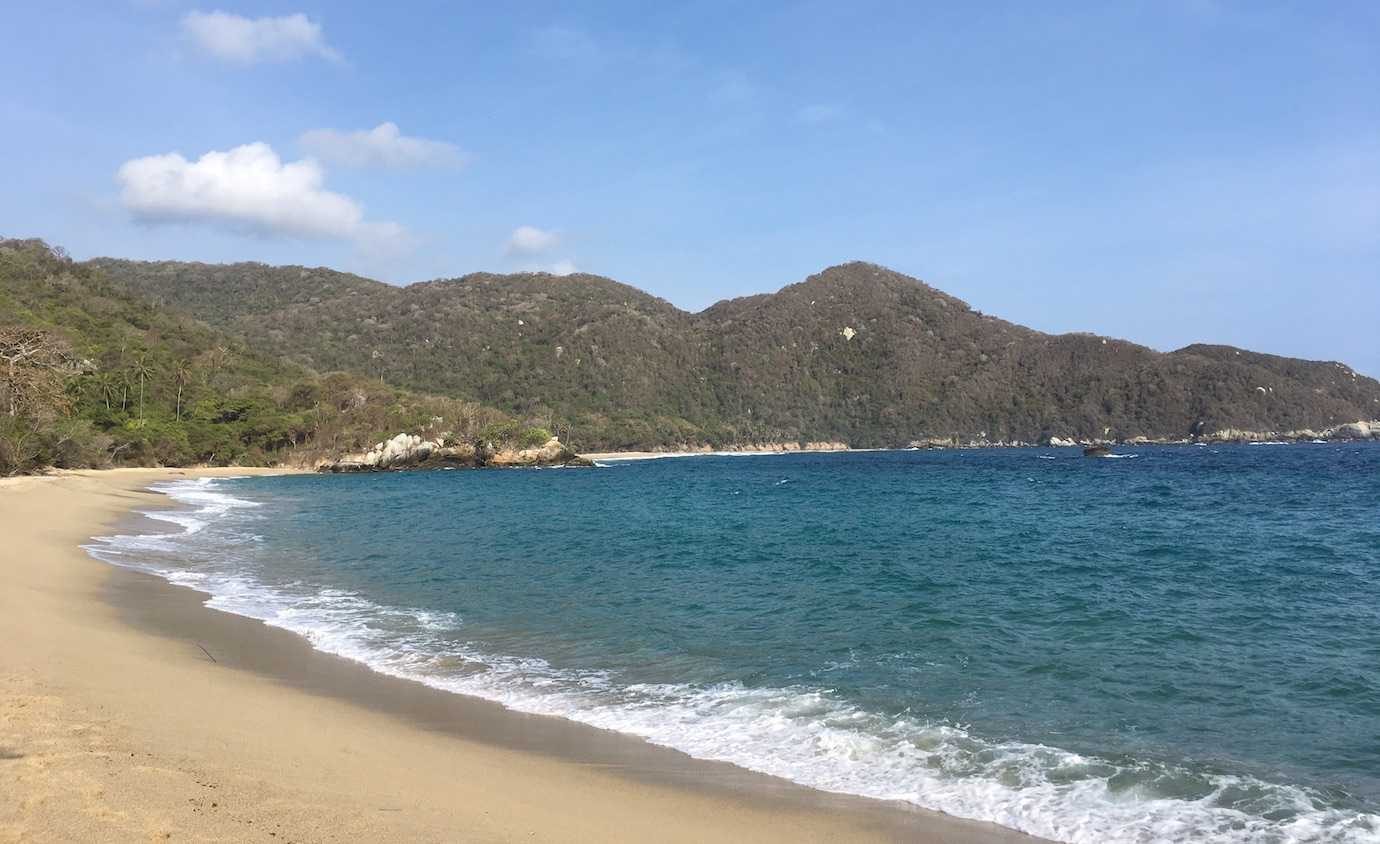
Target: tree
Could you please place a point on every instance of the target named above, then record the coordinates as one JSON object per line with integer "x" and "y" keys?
{"x": 107, "y": 386}
{"x": 182, "y": 376}
{"x": 143, "y": 371}
{"x": 37, "y": 366}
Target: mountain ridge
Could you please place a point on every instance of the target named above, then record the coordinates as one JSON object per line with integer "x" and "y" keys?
{"x": 856, "y": 353}
{"x": 486, "y": 275}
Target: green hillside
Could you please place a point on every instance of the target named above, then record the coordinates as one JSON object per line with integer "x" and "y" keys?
{"x": 857, "y": 353}
{"x": 93, "y": 375}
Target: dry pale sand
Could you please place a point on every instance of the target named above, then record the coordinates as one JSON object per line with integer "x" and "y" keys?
{"x": 116, "y": 726}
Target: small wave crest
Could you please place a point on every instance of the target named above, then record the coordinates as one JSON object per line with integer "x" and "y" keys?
{"x": 203, "y": 503}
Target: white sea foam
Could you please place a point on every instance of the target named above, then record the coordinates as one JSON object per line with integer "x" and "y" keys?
{"x": 808, "y": 735}
{"x": 203, "y": 504}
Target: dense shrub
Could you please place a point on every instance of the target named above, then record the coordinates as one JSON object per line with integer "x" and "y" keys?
{"x": 532, "y": 437}
{"x": 499, "y": 432}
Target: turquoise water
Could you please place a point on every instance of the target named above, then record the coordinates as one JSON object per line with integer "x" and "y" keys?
{"x": 1183, "y": 645}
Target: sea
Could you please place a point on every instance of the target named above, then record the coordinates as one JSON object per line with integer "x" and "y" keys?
{"x": 1178, "y": 644}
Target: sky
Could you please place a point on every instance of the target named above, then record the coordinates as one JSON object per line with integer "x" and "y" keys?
{"x": 1169, "y": 172}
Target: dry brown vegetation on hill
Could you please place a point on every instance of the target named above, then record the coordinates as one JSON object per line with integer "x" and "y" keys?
{"x": 856, "y": 353}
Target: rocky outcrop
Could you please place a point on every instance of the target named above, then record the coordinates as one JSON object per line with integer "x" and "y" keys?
{"x": 1356, "y": 431}
{"x": 552, "y": 453}
{"x": 790, "y": 446}
{"x": 410, "y": 451}
{"x": 1235, "y": 435}
{"x": 793, "y": 446}
{"x": 1359, "y": 430}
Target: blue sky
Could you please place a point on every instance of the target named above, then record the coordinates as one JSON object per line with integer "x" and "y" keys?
{"x": 1169, "y": 172}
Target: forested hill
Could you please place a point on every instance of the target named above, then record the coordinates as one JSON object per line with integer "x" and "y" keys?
{"x": 857, "y": 353}
{"x": 93, "y": 375}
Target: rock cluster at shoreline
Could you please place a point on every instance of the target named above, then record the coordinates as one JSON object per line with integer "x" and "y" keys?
{"x": 410, "y": 451}
{"x": 753, "y": 448}
{"x": 1347, "y": 432}
{"x": 1350, "y": 431}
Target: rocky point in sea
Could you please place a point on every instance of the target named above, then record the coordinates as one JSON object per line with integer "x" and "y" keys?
{"x": 410, "y": 451}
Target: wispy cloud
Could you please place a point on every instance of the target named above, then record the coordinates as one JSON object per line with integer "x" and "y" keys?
{"x": 383, "y": 146}
{"x": 234, "y": 38}
{"x": 530, "y": 240}
{"x": 248, "y": 189}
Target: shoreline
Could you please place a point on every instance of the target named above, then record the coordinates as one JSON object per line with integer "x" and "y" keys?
{"x": 706, "y": 452}
{"x": 130, "y": 708}
{"x": 615, "y": 456}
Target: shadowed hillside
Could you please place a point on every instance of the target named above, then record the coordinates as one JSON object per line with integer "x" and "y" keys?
{"x": 857, "y": 353}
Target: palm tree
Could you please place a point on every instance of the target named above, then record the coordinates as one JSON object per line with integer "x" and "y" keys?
{"x": 182, "y": 376}
{"x": 124, "y": 380}
{"x": 143, "y": 371}
{"x": 107, "y": 386}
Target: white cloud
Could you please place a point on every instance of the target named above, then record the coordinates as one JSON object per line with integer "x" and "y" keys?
{"x": 530, "y": 240}
{"x": 249, "y": 40}
{"x": 819, "y": 113}
{"x": 247, "y": 189}
{"x": 382, "y": 146}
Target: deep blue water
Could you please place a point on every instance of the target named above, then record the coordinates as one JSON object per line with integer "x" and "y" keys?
{"x": 1182, "y": 645}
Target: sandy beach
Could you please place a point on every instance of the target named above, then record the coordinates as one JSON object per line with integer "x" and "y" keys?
{"x": 130, "y": 712}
